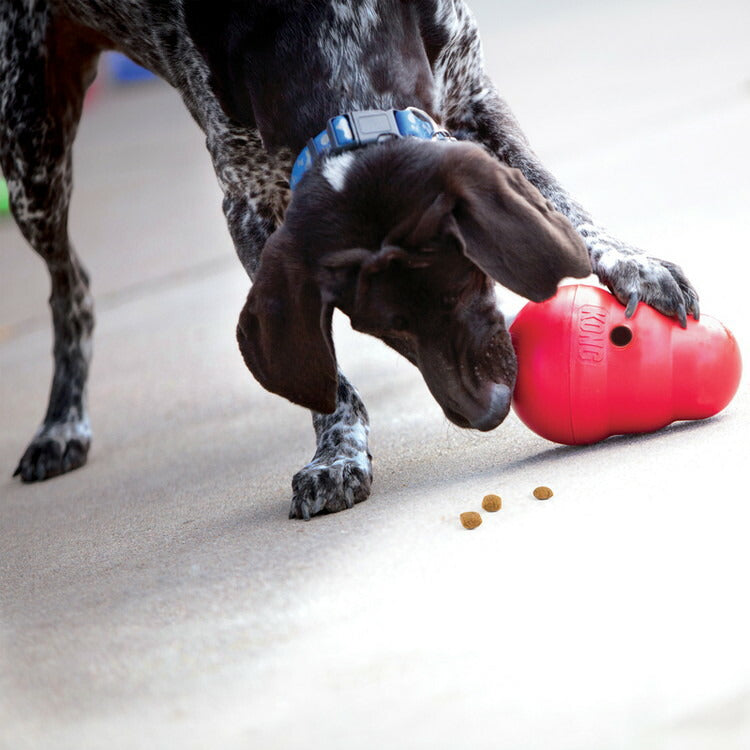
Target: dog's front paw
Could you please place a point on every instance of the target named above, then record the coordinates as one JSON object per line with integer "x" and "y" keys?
{"x": 328, "y": 487}
{"x": 634, "y": 277}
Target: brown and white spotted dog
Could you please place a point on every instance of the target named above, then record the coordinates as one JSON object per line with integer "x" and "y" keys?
{"x": 407, "y": 236}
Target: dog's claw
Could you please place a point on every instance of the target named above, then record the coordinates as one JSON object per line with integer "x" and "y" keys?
{"x": 632, "y": 305}
{"x": 682, "y": 315}
{"x": 300, "y": 510}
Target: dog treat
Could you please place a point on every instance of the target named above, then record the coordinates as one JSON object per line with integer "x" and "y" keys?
{"x": 543, "y": 493}
{"x": 470, "y": 519}
{"x": 492, "y": 503}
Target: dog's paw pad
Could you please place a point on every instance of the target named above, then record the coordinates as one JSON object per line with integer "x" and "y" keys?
{"x": 330, "y": 487}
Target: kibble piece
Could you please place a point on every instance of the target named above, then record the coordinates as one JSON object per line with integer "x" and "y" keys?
{"x": 543, "y": 493}
{"x": 492, "y": 503}
{"x": 470, "y": 519}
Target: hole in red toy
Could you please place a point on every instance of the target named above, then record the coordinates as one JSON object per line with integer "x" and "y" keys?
{"x": 620, "y": 335}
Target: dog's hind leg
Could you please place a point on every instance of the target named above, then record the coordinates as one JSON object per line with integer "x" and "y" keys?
{"x": 45, "y": 68}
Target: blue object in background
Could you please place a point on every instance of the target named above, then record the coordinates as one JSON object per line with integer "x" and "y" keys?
{"x": 123, "y": 70}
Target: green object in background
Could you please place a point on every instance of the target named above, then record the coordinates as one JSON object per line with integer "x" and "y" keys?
{"x": 4, "y": 205}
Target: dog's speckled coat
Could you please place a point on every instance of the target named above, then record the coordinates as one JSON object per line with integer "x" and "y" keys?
{"x": 332, "y": 56}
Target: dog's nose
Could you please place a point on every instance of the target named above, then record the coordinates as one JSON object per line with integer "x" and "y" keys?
{"x": 497, "y": 411}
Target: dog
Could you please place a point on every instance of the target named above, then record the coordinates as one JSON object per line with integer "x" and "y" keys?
{"x": 415, "y": 192}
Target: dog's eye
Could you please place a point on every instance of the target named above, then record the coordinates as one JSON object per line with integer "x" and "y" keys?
{"x": 448, "y": 301}
{"x": 399, "y": 323}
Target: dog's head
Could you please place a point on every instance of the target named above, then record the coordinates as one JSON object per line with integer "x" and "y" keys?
{"x": 407, "y": 239}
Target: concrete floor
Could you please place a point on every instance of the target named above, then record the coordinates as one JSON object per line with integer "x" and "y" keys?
{"x": 160, "y": 598}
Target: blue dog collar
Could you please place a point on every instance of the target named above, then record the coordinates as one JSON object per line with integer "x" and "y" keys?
{"x": 356, "y": 129}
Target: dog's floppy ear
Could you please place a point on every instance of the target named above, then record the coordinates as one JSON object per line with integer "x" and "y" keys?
{"x": 511, "y": 232}
{"x": 284, "y": 331}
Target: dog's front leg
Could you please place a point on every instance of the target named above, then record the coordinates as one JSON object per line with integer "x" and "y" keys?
{"x": 631, "y": 274}
{"x": 340, "y": 473}
{"x": 473, "y": 110}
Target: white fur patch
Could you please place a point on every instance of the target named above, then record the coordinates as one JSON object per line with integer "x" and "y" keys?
{"x": 335, "y": 169}
{"x": 364, "y": 13}
{"x": 63, "y": 432}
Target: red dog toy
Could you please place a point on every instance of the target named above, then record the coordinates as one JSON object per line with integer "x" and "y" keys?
{"x": 586, "y": 372}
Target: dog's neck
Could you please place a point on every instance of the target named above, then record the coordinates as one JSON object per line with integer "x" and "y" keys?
{"x": 296, "y": 83}
{"x": 356, "y": 130}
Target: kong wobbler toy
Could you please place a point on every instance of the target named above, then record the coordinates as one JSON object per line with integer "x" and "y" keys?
{"x": 586, "y": 371}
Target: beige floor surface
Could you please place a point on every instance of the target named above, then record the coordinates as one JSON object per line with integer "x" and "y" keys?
{"x": 160, "y": 598}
